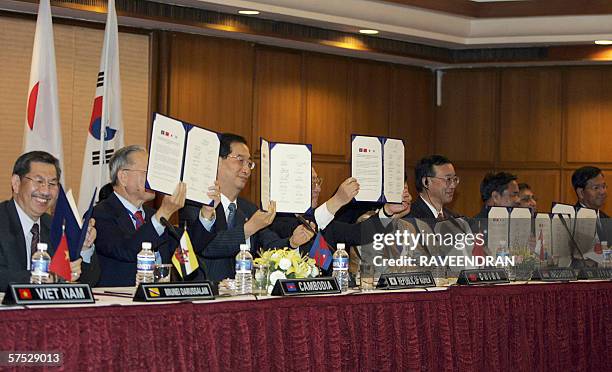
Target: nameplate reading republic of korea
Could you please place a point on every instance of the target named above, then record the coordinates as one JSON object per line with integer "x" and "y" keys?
{"x": 416, "y": 279}
{"x": 595, "y": 273}
{"x": 554, "y": 274}
{"x": 482, "y": 276}
{"x": 158, "y": 292}
{"x": 48, "y": 294}
{"x": 310, "y": 286}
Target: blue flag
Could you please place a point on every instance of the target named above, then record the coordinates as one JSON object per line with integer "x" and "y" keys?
{"x": 321, "y": 252}
{"x": 64, "y": 216}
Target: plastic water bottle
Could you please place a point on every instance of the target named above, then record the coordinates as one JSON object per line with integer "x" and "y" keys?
{"x": 145, "y": 264}
{"x": 40, "y": 265}
{"x": 502, "y": 255}
{"x": 607, "y": 255}
{"x": 340, "y": 262}
{"x": 244, "y": 266}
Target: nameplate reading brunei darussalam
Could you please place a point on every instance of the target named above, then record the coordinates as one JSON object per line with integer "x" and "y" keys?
{"x": 417, "y": 279}
{"x": 554, "y": 274}
{"x": 159, "y": 292}
{"x": 300, "y": 287}
{"x": 482, "y": 276}
{"x": 48, "y": 294}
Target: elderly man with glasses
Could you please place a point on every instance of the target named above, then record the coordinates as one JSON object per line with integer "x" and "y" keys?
{"x": 24, "y": 221}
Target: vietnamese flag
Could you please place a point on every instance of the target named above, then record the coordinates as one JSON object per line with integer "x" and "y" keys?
{"x": 60, "y": 263}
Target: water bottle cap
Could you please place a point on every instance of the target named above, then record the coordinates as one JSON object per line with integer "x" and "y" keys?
{"x": 341, "y": 246}
{"x": 146, "y": 245}
{"x": 244, "y": 247}
{"x": 41, "y": 246}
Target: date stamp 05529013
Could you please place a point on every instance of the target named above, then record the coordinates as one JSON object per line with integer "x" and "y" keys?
{"x": 31, "y": 358}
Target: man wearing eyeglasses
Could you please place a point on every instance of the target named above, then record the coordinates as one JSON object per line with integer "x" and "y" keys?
{"x": 436, "y": 182}
{"x": 236, "y": 220}
{"x": 591, "y": 189}
{"x": 24, "y": 221}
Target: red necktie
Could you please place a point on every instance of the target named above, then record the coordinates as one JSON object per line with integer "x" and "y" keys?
{"x": 139, "y": 219}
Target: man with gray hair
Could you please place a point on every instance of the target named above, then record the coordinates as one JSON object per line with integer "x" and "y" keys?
{"x": 124, "y": 222}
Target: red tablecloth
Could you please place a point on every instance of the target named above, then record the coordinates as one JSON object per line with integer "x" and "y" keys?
{"x": 555, "y": 327}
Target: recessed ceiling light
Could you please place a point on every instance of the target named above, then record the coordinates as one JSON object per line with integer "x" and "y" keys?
{"x": 249, "y": 12}
{"x": 368, "y": 32}
{"x": 603, "y": 42}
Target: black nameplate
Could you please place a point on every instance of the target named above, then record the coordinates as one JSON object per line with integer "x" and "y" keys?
{"x": 595, "y": 273}
{"x": 554, "y": 274}
{"x": 48, "y": 294}
{"x": 159, "y": 292}
{"x": 482, "y": 276}
{"x": 416, "y": 279}
{"x": 301, "y": 287}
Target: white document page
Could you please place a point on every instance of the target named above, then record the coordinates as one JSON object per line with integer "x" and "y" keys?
{"x": 393, "y": 165}
{"x": 366, "y": 167}
{"x": 201, "y": 161}
{"x": 166, "y": 154}
{"x": 290, "y": 177}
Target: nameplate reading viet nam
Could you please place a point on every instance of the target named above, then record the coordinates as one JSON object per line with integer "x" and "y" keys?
{"x": 158, "y": 292}
{"x": 300, "y": 287}
{"x": 406, "y": 280}
{"x": 48, "y": 294}
{"x": 482, "y": 276}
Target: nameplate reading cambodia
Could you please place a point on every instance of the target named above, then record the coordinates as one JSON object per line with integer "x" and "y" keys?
{"x": 159, "y": 292}
{"x": 48, "y": 294}
{"x": 417, "y": 279}
{"x": 595, "y": 273}
{"x": 301, "y": 287}
{"x": 482, "y": 276}
{"x": 556, "y": 274}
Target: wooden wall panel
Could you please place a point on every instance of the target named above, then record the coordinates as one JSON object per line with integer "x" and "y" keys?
{"x": 368, "y": 108}
{"x": 411, "y": 111}
{"x": 326, "y": 80}
{"x": 545, "y": 184}
{"x": 278, "y": 96}
{"x": 211, "y": 83}
{"x": 569, "y": 195}
{"x": 589, "y": 115}
{"x": 465, "y": 122}
{"x": 530, "y": 115}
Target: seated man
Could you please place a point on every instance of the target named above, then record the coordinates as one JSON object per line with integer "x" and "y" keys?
{"x": 591, "y": 189}
{"x": 498, "y": 190}
{"x": 124, "y": 222}
{"x": 527, "y": 197}
{"x": 24, "y": 221}
{"x": 236, "y": 220}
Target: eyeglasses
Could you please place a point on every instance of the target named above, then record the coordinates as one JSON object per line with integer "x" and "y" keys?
{"x": 41, "y": 182}
{"x": 597, "y": 188}
{"x": 450, "y": 180}
{"x": 317, "y": 181}
{"x": 135, "y": 170}
{"x": 245, "y": 162}
{"x": 526, "y": 198}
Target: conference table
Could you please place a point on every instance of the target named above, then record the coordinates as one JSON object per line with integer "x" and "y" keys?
{"x": 515, "y": 327}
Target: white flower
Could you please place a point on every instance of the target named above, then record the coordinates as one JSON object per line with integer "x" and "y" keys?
{"x": 315, "y": 272}
{"x": 284, "y": 263}
{"x": 276, "y": 276}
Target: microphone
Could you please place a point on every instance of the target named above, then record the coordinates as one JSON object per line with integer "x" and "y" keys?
{"x": 171, "y": 230}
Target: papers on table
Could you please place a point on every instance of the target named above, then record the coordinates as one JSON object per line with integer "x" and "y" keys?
{"x": 498, "y": 229}
{"x": 378, "y": 165}
{"x": 286, "y": 171}
{"x": 182, "y": 152}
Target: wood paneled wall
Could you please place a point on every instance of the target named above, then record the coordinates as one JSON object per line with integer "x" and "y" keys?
{"x": 540, "y": 123}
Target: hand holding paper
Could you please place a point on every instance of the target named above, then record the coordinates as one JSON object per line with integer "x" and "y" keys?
{"x": 401, "y": 209}
{"x": 346, "y": 192}
{"x": 172, "y": 203}
{"x": 260, "y": 219}
{"x": 214, "y": 193}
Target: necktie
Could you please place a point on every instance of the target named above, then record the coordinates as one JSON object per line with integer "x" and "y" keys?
{"x": 231, "y": 216}
{"x": 35, "y": 238}
{"x": 139, "y": 219}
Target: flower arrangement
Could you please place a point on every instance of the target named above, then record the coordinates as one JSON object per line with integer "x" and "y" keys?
{"x": 283, "y": 263}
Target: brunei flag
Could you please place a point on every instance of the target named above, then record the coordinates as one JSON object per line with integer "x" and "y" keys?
{"x": 184, "y": 258}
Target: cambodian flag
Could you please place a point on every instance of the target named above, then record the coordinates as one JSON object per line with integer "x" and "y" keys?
{"x": 291, "y": 287}
{"x": 321, "y": 252}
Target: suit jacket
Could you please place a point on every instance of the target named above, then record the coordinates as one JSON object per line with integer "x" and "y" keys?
{"x": 13, "y": 257}
{"x": 219, "y": 251}
{"x": 118, "y": 242}
{"x": 421, "y": 211}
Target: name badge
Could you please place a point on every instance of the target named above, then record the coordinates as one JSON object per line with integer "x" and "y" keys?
{"x": 48, "y": 294}
{"x": 554, "y": 274}
{"x": 416, "y": 279}
{"x": 301, "y": 287}
{"x": 595, "y": 273}
{"x": 482, "y": 276}
{"x": 159, "y": 292}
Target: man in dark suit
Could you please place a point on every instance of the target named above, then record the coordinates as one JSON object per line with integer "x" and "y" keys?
{"x": 236, "y": 220}
{"x": 436, "y": 182}
{"x": 24, "y": 221}
{"x": 498, "y": 190}
{"x": 124, "y": 222}
{"x": 591, "y": 189}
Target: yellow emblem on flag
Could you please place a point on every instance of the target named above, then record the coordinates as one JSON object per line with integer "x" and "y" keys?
{"x": 154, "y": 292}
{"x": 184, "y": 258}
